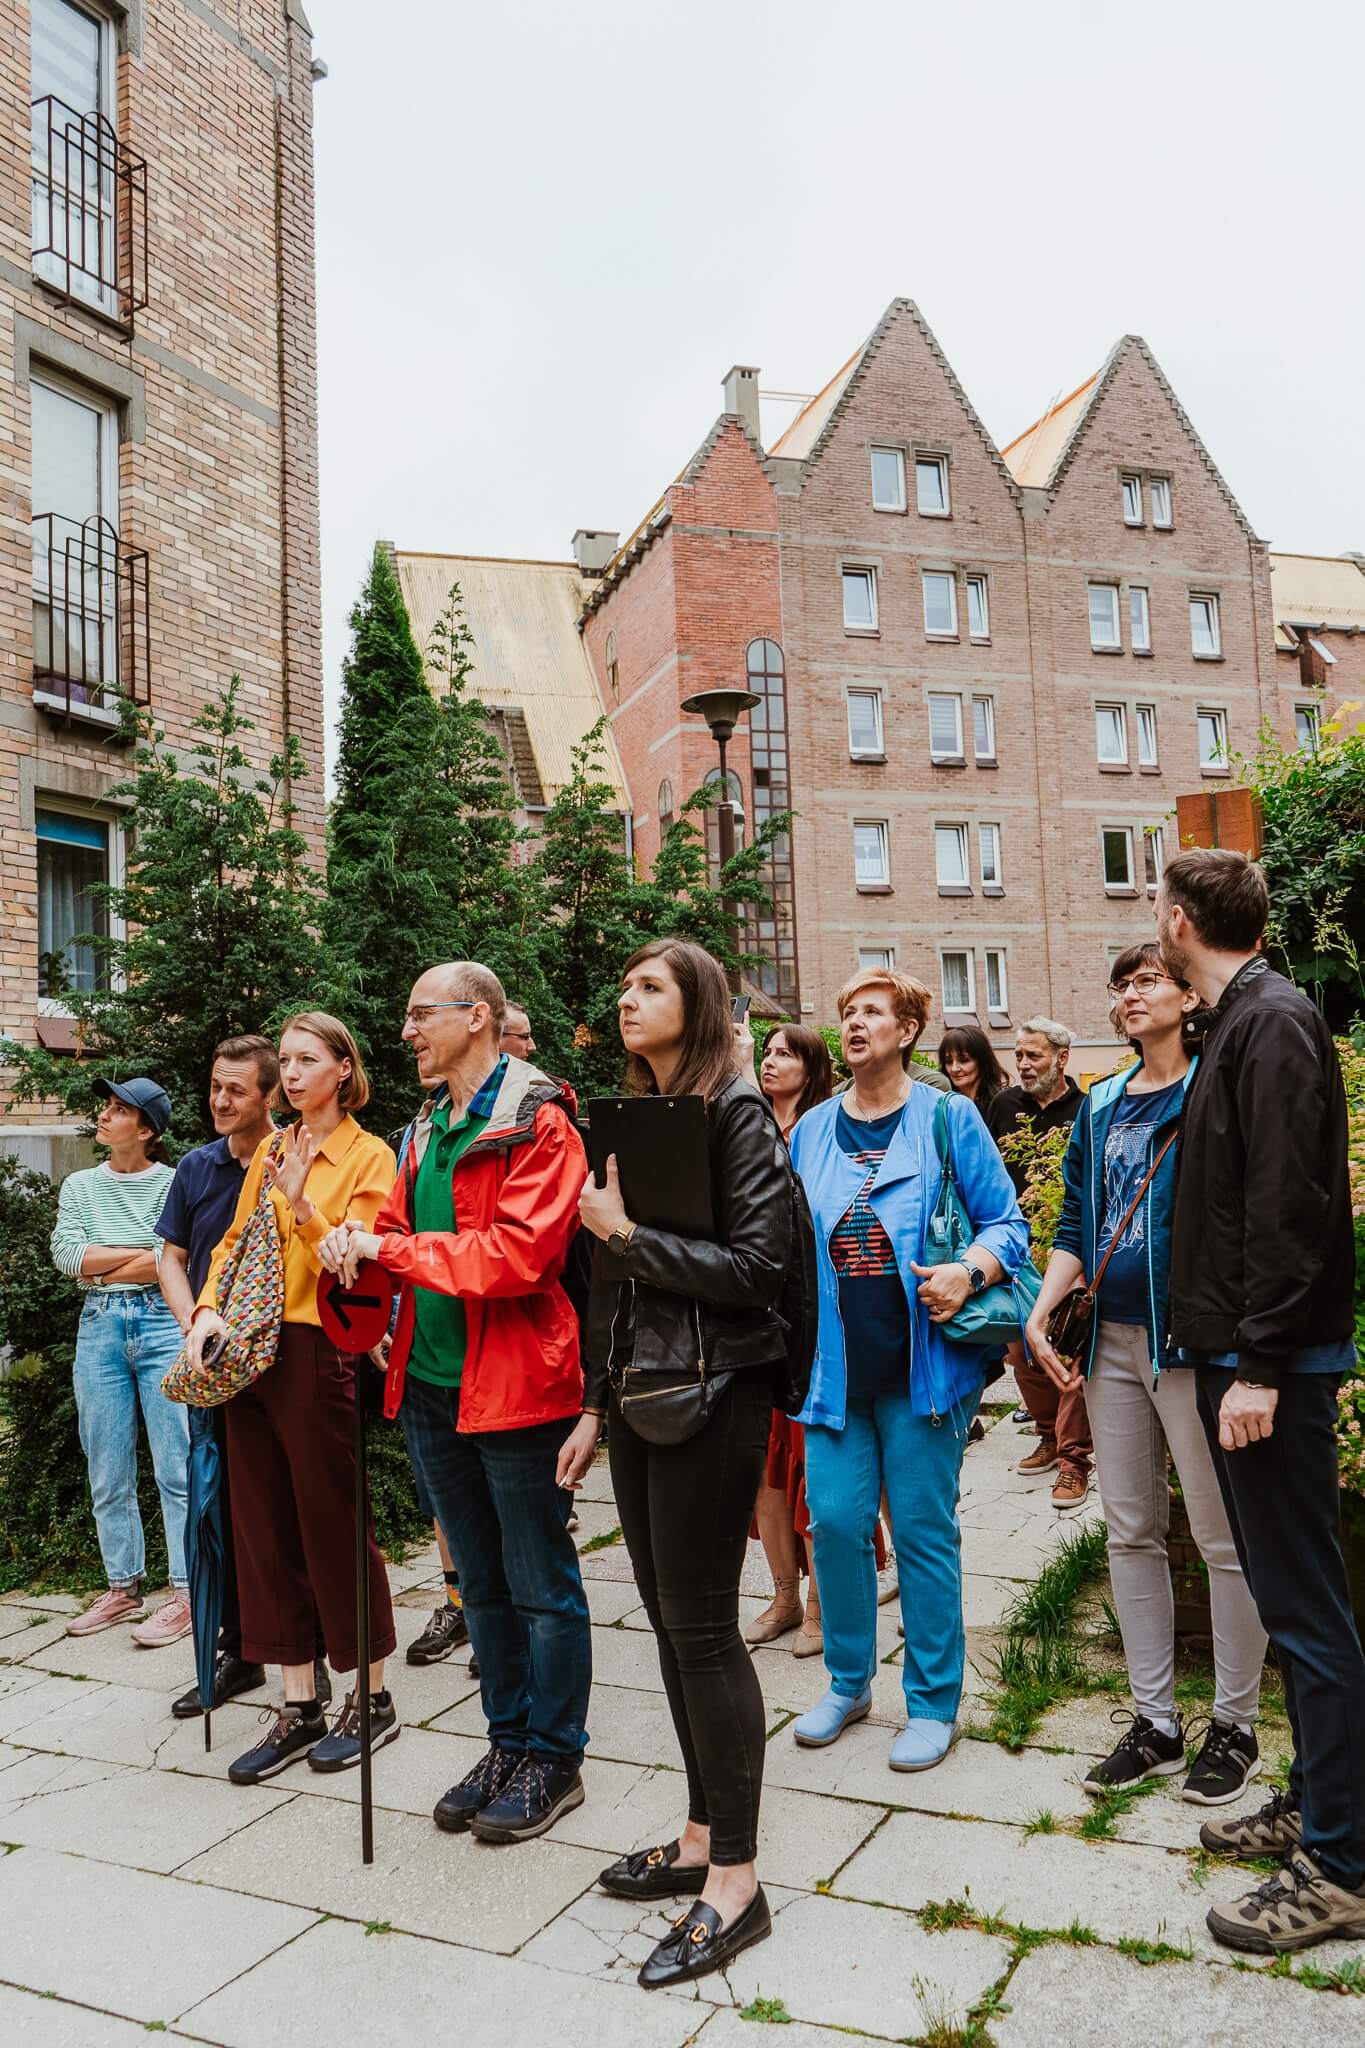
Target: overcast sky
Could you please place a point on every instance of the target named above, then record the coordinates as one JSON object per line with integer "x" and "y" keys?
{"x": 546, "y": 230}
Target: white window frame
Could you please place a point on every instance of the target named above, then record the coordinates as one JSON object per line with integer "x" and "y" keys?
{"x": 1139, "y": 618}
{"x": 1161, "y": 485}
{"x": 105, "y": 409}
{"x": 998, "y": 955}
{"x": 1153, "y": 837}
{"x": 1311, "y": 714}
{"x": 1125, "y": 832}
{"x": 983, "y": 702}
{"x": 947, "y": 953}
{"x": 945, "y": 697}
{"x": 988, "y": 855}
{"x": 1130, "y": 486}
{"x": 1120, "y": 712}
{"x": 1207, "y": 602}
{"x": 882, "y": 880}
{"x": 1112, "y": 591}
{"x": 978, "y": 586}
{"x": 116, "y": 858}
{"x": 877, "y": 751}
{"x": 898, "y": 454}
{"x": 876, "y": 956}
{"x": 958, "y": 830}
{"x": 1222, "y": 762}
{"x": 868, "y": 576}
{"x": 52, "y": 270}
{"x": 943, "y": 576}
{"x": 1144, "y": 719}
{"x": 939, "y": 463}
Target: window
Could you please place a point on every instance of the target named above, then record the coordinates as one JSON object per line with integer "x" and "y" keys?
{"x": 770, "y": 929}
{"x": 613, "y": 667}
{"x": 871, "y": 858}
{"x": 983, "y": 728}
{"x": 978, "y": 608}
{"x": 959, "y": 981}
{"x": 1111, "y": 735}
{"x": 888, "y": 480}
{"x": 945, "y": 728}
{"x": 75, "y": 535}
{"x": 1307, "y": 728}
{"x": 1132, "y": 500}
{"x": 988, "y": 845}
{"x": 940, "y": 603}
{"x": 950, "y": 857}
{"x": 1104, "y": 615}
{"x": 1160, "y": 489}
{"x": 1118, "y": 856}
{"x": 876, "y": 956}
{"x": 73, "y": 859}
{"x": 1146, "y": 736}
{"x": 997, "y": 987}
{"x": 1139, "y": 620}
{"x": 1205, "y": 634}
{"x": 73, "y": 151}
{"x": 665, "y": 806}
{"x": 1213, "y": 739}
{"x": 860, "y": 600}
{"x": 1153, "y": 855}
{"x": 865, "y": 723}
{"x": 931, "y": 486}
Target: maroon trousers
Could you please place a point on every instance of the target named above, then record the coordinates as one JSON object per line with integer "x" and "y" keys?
{"x": 291, "y": 1439}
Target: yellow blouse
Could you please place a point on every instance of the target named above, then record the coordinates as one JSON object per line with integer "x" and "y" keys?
{"x": 350, "y": 1177}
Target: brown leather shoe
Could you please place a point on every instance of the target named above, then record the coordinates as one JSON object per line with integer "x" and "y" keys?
{"x": 1071, "y": 1488}
{"x": 1041, "y": 1460}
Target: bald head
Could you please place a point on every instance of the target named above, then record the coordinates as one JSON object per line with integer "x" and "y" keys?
{"x": 464, "y": 981}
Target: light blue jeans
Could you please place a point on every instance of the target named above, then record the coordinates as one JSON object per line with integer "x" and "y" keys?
{"x": 127, "y": 1342}
{"x": 918, "y": 1460}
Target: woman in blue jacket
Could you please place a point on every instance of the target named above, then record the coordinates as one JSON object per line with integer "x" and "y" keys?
{"x": 1141, "y": 1400}
{"x": 890, "y": 1398}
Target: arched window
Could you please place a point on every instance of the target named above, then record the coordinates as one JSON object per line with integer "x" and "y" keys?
{"x": 773, "y": 933}
{"x": 665, "y": 806}
{"x": 613, "y": 667}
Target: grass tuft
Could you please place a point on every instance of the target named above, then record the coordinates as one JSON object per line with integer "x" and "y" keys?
{"x": 1143, "y": 1951}
{"x": 602, "y": 1542}
{"x": 767, "y": 2012}
{"x": 1044, "y": 1822}
{"x": 1039, "y": 1661}
{"x": 1101, "y": 1823}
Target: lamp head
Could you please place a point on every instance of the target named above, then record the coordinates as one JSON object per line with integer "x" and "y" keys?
{"x": 722, "y": 709}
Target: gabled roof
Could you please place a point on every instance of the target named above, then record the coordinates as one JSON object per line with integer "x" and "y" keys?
{"x": 805, "y": 430}
{"x": 1033, "y": 455}
{"x": 528, "y": 653}
{"x": 1325, "y": 592}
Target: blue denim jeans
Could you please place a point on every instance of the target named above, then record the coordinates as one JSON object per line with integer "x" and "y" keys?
{"x": 126, "y": 1344}
{"x": 495, "y": 1498}
{"x": 918, "y": 1460}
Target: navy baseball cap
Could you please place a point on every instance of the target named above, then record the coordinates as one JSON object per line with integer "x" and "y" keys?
{"x": 146, "y": 1096}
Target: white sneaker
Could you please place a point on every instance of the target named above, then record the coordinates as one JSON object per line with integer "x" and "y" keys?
{"x": 888, "y": 1582}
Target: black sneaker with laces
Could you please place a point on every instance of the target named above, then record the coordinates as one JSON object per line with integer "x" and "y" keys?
{"x": 446, "y": 1631}
{"x": 1227, "y": 1762}
{"x": 478, "y": 1788}
{"x": 340, "y": 1750}
{"x": 1144, "y": 1752}
{"x": 232, "y": 1676}
{"x": 292, "y": 1735}
{"x": 542, "y": 1788}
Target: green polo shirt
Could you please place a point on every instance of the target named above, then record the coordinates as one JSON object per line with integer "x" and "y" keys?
{"x": 440, "y": 1333}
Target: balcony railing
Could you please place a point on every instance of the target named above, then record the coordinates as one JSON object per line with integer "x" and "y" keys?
{"x": 89, "y": 211}
{"x": 91, "y": 619}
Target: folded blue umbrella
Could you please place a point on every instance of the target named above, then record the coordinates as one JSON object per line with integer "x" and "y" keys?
{"x": 205, "y": 1549}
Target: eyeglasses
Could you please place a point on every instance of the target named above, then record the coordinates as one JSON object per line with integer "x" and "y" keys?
{"x": 420, "y": 1015}
{"x": 511, "y": 1031}
{"x": 1137, "y": 984}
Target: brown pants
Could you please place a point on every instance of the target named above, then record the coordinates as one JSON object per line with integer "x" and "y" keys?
{"x": 1061, "y": 1417}
{"x": 292, "y": 1444}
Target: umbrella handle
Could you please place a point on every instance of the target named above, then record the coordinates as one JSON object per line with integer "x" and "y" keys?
{"x": 362, "y": 1632}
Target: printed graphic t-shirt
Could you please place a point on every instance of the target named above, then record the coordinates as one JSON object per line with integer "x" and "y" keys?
{"x": 1127, "y": 1154}
{"x": 872, "y": 1299}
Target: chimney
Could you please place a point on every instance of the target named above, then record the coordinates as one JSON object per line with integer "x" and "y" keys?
{"x": 592, "y": 550}
{"x": 741, "y": 396}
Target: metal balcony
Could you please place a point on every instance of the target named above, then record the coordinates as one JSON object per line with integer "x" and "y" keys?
{"x": 91, "y": 620}
{"x": 89, "y": 212}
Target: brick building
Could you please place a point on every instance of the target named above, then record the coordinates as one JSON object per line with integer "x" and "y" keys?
{"x": 158, "y": 416}
{"x": 1318, "y": 603}
{"x": 986, "y": 674}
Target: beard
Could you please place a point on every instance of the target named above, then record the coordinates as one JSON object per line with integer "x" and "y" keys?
{"x": 1175, "y": 960}
{"x": 1042, "y": 1083}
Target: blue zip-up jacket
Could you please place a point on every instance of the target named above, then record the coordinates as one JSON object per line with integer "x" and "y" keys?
{"x": 903, "y": 1196}
{"x": 1082, "y": 1203}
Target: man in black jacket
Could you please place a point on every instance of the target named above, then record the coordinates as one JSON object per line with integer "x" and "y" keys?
{"x": 1262, "y": 1271}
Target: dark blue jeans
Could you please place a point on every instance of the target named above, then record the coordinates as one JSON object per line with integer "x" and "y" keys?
{"x": 503, "y": 1516}
{"x": 1284, "y": 1503}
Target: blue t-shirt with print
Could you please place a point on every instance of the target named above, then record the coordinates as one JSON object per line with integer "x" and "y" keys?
{"x": 872, "y": 1299}
{"x": 1127, "y": 1155}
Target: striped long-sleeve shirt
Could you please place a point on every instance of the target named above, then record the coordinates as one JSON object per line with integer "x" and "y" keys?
{"x": 99, "y": 1206}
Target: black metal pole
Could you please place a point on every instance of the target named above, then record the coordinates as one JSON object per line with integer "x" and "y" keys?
{"x": 362, "y": 1618}
{"x": 725, "y": 826}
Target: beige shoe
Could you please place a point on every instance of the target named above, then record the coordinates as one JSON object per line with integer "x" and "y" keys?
{"x": 780, "y": 1617}
{"x": 810, "y": 1639}
{"x": 1290, "y": 1911}
{"x": 171, "y": 1621}
{"x": 1275, "y": 1829}
{"x": 1041, "y": 1460}
{"x": 118, "y": 1604}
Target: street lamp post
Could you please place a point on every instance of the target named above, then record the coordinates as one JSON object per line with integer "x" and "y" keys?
{"x": 722, "y": 710}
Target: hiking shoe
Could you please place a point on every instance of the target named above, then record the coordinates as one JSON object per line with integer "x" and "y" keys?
{"x": 1226, "y": 1764}
{"x": 1275, "y": 1829}
{"x": 446, "y": 1631}
{"x": 340, "y": 1750}
{"x": 478, "y": 1788}
{"x": 292, "y": 1734}
{"x": 231, "y": 1676}
{"x": 1041, "y": 1460}
{"x": 1143, "y": 1752}
{"x": 1292, "y": 1910}
{"x": 1070, "y": 1489}
{"x": 539, "y": 1791}
{"x": 118, "y": 1604}
{"x": 171, "y": 1621}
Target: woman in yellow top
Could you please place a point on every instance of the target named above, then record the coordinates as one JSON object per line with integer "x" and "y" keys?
{"x": 291, "y": 1442}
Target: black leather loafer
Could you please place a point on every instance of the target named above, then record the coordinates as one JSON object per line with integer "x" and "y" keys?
{"x": 652, "y": 1874}
{"x": 698, "y": 1944}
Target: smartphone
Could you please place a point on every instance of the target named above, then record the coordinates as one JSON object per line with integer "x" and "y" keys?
{"x": 740, "y": 1008}
{"x": 215, "y": 1347}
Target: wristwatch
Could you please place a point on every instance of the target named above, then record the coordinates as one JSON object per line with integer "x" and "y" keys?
{"x": 974, "y": 1275}
{"x": 620, "y": 1239}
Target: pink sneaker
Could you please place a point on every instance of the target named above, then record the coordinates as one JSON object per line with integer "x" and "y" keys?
{"x": 171, "y": 1621}
{"x": 118, "y": 1604}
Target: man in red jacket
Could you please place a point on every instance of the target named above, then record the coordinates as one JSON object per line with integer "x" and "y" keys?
{"x": 484, "y": 1375}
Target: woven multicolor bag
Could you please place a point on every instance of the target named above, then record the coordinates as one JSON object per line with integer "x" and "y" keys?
{"x": 251, "y": 1303}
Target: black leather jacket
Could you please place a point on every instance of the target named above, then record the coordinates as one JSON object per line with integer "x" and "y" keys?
{"x": 674, "y": 1304}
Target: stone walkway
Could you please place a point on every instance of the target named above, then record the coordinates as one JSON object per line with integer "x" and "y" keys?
{"x": 144, "y": 1892}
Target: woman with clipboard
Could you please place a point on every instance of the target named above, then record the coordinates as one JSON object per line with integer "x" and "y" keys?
{"x": 684, "y": 1342}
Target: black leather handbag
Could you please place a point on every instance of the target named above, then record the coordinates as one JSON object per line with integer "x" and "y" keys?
{"x": 668, "y": 1407}
{"x": 1070, "y": 1323}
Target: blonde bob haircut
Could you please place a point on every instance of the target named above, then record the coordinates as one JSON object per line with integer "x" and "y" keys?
{"x": 354, "y": 1091}
{"x": 910, "y": 1000}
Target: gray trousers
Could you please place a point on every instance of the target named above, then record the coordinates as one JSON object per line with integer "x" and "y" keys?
{"x": 1133, "y": 1419}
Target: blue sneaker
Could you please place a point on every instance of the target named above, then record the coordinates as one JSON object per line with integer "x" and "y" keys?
{"x": 827, "y": 1720}
{"x": 922, "y": 1744}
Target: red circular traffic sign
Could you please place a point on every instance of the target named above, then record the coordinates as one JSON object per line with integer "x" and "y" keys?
{"x": 356, "y": 1317}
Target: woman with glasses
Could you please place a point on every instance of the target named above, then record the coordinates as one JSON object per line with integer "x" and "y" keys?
{"x": 1141, "y": 1399}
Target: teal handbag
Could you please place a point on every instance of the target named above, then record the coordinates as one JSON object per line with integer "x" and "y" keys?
{"x": 997, "y": 1315}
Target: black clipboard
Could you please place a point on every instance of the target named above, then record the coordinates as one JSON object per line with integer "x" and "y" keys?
{"x": 662, "y": 1158}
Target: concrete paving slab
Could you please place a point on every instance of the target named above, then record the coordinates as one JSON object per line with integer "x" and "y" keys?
{"x": 32, "y": 2021}
{"x": 115, "y": 1658}
{"x": 150, "y": 1820}
{"x": 595, "y": 1518}
{"x": 409, "y": 1775}
{"x": 626, "y": 1656}
{"x": 52, "y": 1603}
{"x": 411, "y": 1991}
{"x": 625, "y": 1723}
{"x": 596, "y": 1484}
{"x": 129, "y": 1943}
{"x": 609, "y": 1602}
{"x": 725, "y": 2029}
{"x": 1086, "y": 1726}
{"x": 987, "y": 1598}
{"x": 24, "y": 1630}
{"x": 976, "y": 1778}
{"x": 27, "y": 1695}
{"x": 606, "y": 1939}
{"x": 120, "y": 1724}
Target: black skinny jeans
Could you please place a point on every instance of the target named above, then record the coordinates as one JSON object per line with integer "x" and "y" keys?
{"x": 685, "y": 1511}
